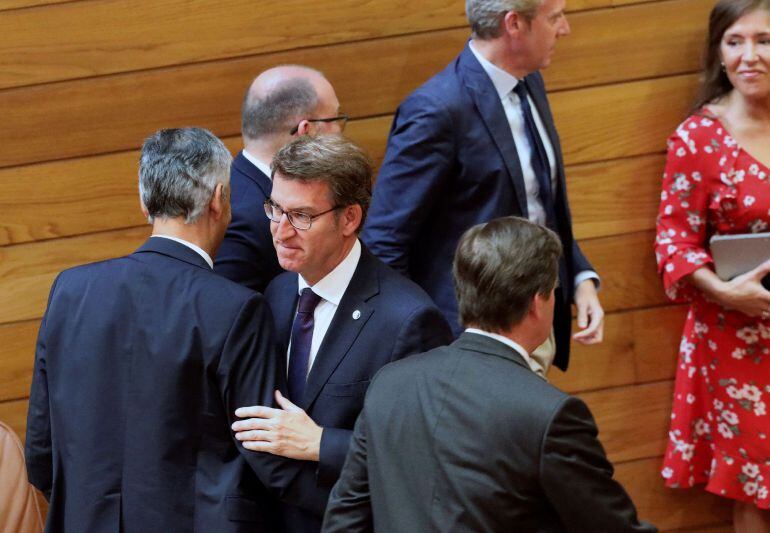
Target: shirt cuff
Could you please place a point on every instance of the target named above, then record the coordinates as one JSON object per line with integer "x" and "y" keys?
{"x": 588, "y": 274}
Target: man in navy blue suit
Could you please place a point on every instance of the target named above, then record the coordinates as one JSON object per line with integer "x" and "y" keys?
{"x": 281, "y": 102}
{"x": 141, "y": 362}
{"x": 477, "y": 142}
{"x": 340, "y": 313}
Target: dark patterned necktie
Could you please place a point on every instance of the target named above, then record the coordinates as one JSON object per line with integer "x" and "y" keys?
{"x": 539, "y": 160}
{"x": 301, "y": 339}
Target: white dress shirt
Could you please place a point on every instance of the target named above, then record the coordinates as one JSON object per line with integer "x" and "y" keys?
{"x": 533, "y": 365}
{"x": 331, "y": 288}
{"x": 504, "y": 84}
{"x": 261, "y": 165}
{"x": 200, "y": 251}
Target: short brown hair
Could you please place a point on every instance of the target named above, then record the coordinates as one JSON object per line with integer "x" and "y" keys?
{"x": 714, "y": 80}
{"x": 333, "y": 159}
{"x": 498, "y": 269}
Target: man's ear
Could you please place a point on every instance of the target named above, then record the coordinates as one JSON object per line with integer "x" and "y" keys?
{"x": 352, "y": 216}
{"x": 145, "y": 212}
{"x": 512, "y": 23}
{"x": 219, "y": 200}
{"x": 304, "y": 127}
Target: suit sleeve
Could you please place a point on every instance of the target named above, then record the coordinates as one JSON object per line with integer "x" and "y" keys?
{"x": 246, "y": 254}
{"x": 425, "y": 329}
{"x": 350, "y": 506}
{"x": 38, "y": 445}
{"x": 248, "y": 374}
{"x": 418, "y": 162}
{"x": 576, "y": 475}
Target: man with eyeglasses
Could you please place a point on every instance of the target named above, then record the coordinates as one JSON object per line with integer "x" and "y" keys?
{"x": 281, "y": 103}
{"x": 340, "y": 313}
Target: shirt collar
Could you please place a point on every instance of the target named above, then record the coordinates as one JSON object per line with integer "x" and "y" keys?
{"x": 195, "y": 247}
{"x": 505, "y": 340}
{"x": 334, "y": 284}
{"x": 504, "y": 83}
{"x": 265, "y": 168}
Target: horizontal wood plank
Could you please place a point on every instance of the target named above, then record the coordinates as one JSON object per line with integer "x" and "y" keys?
{"x": 626, "y": 265}
{"x": 99, "y": 193}
{"x": 17, "y": 4}
{"x": 28, "y": 270}
{"x": 669, "y": 508}
{"x": 17, "y": 357}
{"x": 85, "y": 39}
{"x": 633, "y": 421}
{"x": 639, "y": 346}
{"x": 621, "y": 120}
{"x": 617, "y": 196}
{"x": 80, "y": 117}
{"x": 598, "y": 52}
{"x": 38, "y": 44}
{"x": 14, "y": 414}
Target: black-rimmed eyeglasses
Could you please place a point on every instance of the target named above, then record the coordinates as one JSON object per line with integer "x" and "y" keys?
{"x": 342, "y": 118}
{"x": 300, "y": 221}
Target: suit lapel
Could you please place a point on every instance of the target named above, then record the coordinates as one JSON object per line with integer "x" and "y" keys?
{"x": 284, "y": 308}
{"x": 490, "y": 108}
{"x": 344, "y": 328}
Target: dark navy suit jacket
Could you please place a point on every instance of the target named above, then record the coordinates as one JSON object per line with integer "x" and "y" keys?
{"x": 395, "y": 319}
{"x": 467, "y": 438}
{"x": 451, "y": 163}
{"x": 140, "y": 364}
{"x": 247, "y": 255}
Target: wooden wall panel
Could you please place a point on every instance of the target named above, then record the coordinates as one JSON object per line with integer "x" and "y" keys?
{"x": 17, "y": 354}
{"x": 80, "y": 117}
{"x": 78, "y": 96}
{"x": 27, "y": 271}
{"x": 668, "y": 508}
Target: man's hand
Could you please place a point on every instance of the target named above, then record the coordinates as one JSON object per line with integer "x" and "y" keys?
{"x": 288, "y": 432}
{"x": 590, "y": 315}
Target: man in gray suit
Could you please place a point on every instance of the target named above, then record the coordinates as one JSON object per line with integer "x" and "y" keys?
{"x": 467, "y": 437}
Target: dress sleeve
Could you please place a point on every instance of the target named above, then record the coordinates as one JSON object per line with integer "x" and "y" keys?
{"x": 681, "y": 243}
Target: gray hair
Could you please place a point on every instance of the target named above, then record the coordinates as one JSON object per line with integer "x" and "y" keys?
{"x": 179, "y": 170}
{"x": 498, "y": 269}
{"x": 279, "y": 110}
{"x": 484, "y": 16}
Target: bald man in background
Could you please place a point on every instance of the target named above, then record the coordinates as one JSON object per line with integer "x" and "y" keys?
{"x": 281, "y": 103}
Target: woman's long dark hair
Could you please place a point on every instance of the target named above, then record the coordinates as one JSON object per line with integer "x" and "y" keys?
{"x": 714, "y": 81}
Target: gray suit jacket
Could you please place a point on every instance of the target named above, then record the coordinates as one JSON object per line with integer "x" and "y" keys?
{"x": 467, "y": 438}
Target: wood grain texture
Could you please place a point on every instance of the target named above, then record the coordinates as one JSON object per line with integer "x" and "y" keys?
{"x": 17, "y": 4}
{"x": 28, "y": 270}
{"x": 627, "y": 268}
{"x": 85, "y": 39}
{"x": 639, "y": 346}
{"x": 81, "y": 118}
{"x": 14, "y": 414}
{"x": 621, "y": 120}
{"x": 617, "y": 196}
{"x": 17, "y": 358}
{"x": 669, "y": 508}
{"x": 633, "y": 421}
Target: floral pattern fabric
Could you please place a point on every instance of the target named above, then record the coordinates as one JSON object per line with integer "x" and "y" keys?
{"x": 720, "y": 430}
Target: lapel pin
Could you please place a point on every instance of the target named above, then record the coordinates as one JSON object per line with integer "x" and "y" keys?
{"x": 356, "y": 314}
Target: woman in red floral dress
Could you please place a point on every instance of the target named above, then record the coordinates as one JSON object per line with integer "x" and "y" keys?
{"x": 717, "y": 181}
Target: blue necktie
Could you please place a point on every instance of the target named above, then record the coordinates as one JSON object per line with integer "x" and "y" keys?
{"x": 539, "y": 160}
{"x": 301, "y": 339}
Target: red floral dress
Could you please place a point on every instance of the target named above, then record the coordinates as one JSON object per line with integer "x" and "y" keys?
{"x": 720, "y": 430}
